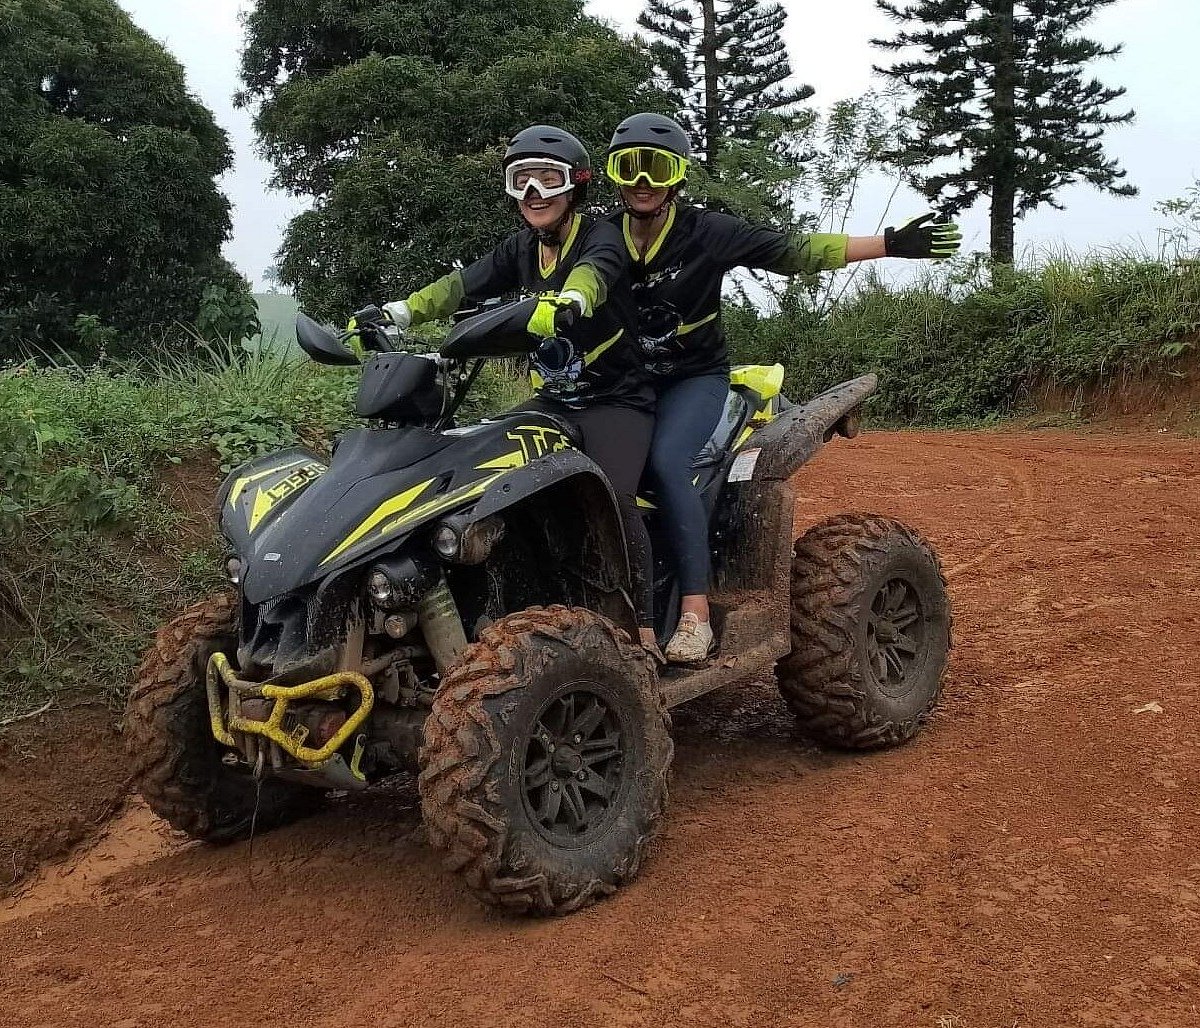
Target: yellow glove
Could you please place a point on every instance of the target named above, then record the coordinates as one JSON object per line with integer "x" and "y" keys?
{"x": 555, "y": 313}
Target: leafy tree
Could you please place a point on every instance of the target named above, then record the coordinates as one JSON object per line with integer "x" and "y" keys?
{"x": 392, "y": 116}
{"x": 108, "y": 207}
{"x": 1001, "y": 93}
{"x": 725, "y": 65}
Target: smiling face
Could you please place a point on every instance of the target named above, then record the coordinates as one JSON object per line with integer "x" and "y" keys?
{"x": 642, "y": 199}
{"x": 544, "y": 214}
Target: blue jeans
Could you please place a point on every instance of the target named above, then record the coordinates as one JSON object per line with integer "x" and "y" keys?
{"x": 688, "y": 412}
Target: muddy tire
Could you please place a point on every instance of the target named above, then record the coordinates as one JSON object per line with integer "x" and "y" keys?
{"x": 544, "y": 769}
{"x": 870, "y": 632}
{"x": 176, "y": 761}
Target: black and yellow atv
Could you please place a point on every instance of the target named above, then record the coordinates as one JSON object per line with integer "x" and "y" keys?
{"x": 455, "y": 600}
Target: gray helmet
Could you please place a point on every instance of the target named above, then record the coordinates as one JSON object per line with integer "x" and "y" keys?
{"x": 655, "y": 130}
{"x": 547, "y": 141}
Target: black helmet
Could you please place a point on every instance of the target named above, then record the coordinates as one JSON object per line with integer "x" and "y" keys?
{"x": 555, "y": 143}
{"x": 655, "y": 130}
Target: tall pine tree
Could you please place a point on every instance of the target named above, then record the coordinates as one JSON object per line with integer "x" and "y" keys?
{"x": 725, "y": 64}
{"x": 1001, "y": 92}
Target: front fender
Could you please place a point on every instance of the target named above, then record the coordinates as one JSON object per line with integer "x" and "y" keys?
{"x": 571, "y": 498}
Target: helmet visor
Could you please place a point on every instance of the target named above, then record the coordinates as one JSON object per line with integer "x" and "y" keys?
{"x": 540, "y": 177}
{"x": 656, "y": 168}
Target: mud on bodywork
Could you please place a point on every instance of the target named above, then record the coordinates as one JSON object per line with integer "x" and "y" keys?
{"x": 756, "y": 507}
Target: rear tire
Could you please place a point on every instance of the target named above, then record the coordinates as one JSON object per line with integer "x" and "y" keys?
{"x": 177, "y": 762}
{"x": 871, "y": 632}
{"x": 544, "y": 769}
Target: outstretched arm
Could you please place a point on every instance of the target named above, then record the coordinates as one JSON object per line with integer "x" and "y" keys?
{"x": 865, "y": 248}
{"x": 921, "y": 238}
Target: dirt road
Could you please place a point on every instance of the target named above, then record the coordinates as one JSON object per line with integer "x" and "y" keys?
{"x": 1032, "y": 859}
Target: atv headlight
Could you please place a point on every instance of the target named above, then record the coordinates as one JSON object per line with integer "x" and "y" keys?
{"x": 379, "y": 588}
{"x": 233, "y": 570}
{"x": 445, "y": 542}
{"x": 469, "y": 543}
{"x": 396, "y": 582}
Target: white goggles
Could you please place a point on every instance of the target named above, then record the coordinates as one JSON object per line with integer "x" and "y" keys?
{"x": 539, "y": 176}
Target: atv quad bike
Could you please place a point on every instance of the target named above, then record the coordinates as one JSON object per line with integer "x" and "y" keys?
{"x": 455, "y": 600}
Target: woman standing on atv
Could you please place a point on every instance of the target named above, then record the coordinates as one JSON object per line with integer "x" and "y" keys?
{"x": 680, "y": 256}
{"x": 587, "y": 371}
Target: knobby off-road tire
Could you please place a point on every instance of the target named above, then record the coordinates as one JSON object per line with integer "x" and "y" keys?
{"x": 870, "y": 632}
{"x": 504, "y": 810}
{"x": 176, "y": 761}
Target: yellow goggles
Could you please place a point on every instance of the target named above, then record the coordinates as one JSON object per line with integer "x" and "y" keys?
{"x": 656, "y": 168}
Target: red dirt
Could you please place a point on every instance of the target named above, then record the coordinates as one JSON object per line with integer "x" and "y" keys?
{"x": 1031, "y": 859}
{"x": 61, "y": 777}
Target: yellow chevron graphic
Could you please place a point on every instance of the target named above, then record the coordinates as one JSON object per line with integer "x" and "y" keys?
{"x": 381, "y": 513}
{"x": 241, "y": 483}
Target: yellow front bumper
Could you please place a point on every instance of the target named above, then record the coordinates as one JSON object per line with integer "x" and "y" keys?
{"x": 292, "y": 743}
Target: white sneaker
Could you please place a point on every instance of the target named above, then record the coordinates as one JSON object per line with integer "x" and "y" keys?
{"x": 692, "y": 641}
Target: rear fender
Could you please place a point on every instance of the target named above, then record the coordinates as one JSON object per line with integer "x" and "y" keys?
{"x": 753, "y": 529}
{"x": 781, "y": 447}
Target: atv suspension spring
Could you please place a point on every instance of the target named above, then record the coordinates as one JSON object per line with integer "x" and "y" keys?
{"x": 442, "y": 625}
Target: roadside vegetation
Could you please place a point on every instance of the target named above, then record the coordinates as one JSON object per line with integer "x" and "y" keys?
{"x": 975, "y": 343}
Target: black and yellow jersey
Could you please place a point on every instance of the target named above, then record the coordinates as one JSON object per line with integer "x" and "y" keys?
{"x": 592, "y": 261}
{"x": 677, "y": 284}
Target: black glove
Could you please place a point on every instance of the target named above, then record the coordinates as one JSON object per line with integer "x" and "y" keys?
{"x": 554, "y": 314}
{"x": 915, "y": 239}
{"x": 566, "y": 316}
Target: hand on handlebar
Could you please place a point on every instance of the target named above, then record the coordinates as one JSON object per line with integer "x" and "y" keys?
{"x": 554, "y": 314}
{"x": 399, "y": 313}
{"x": 376, "y": 329}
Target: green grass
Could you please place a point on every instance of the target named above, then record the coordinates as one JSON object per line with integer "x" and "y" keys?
{"x": 95, "y": 553}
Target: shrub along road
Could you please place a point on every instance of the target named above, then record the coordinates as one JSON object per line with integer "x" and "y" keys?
{"x": 1030, "y": 859}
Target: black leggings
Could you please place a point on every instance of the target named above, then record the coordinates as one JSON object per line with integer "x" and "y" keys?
{"x": 618, "y": 439}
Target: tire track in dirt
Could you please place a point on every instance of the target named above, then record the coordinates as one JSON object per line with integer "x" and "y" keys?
{"x": 1030, "y": 859}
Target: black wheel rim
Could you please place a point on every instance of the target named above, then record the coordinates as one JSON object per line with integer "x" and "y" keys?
{"x": 896, "y": 636}
{"x": 574, "y": 770}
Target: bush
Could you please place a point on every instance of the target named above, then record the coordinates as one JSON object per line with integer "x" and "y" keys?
{"x": 973, "y": 344}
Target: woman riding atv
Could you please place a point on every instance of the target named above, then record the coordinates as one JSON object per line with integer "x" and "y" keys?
{"x": 588, "y": 370}
{"x": 680, "y": 256}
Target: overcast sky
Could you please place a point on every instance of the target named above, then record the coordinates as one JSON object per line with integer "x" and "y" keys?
{"x": 830, "y": 50}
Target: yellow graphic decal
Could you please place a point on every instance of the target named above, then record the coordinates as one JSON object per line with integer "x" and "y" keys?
{"x": 538, "y": 440}
{"x": 241, "y": 483}
{"x": 747, "y": 432}
{"x": 467, "y": 492}
{"x": 384, "y": 511}
{"x": 505, "y": 462}
{"x": 270, "y": 497}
